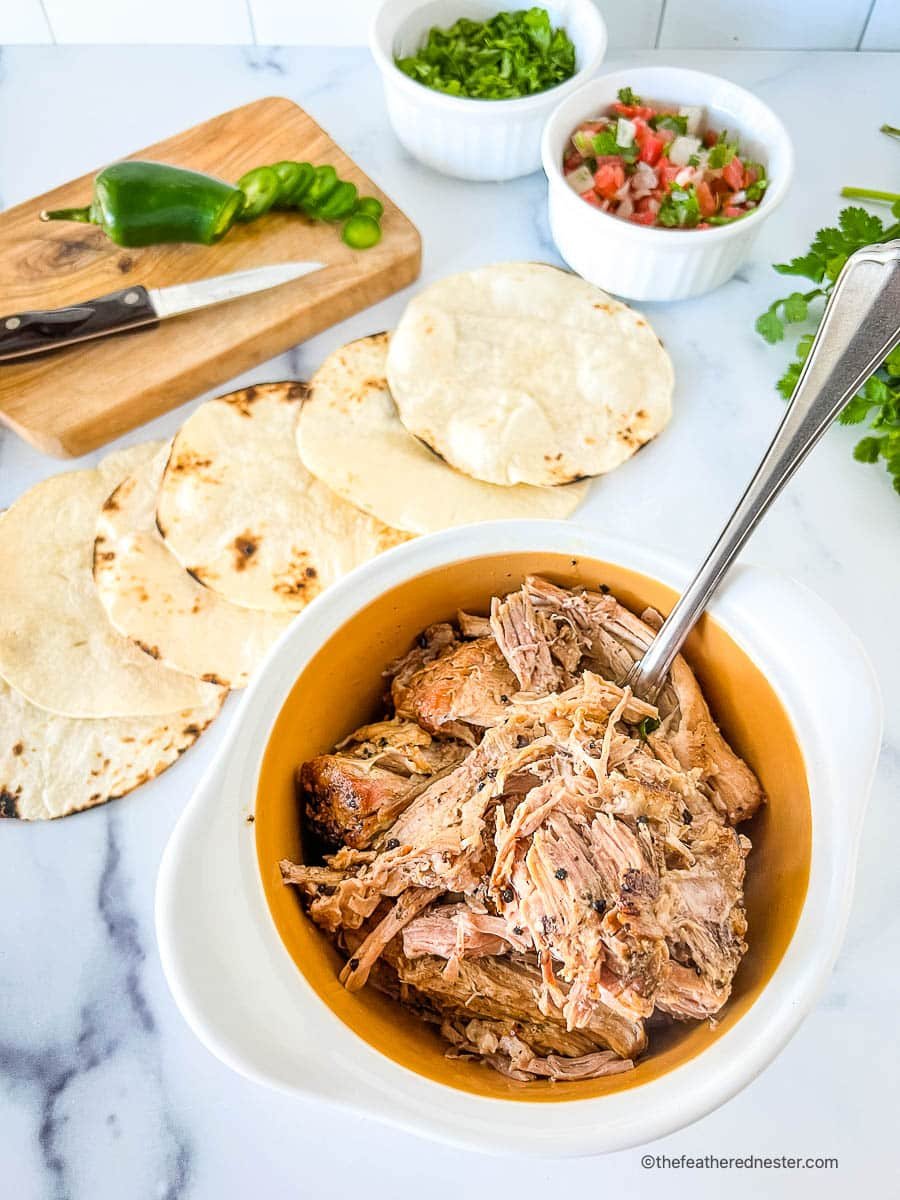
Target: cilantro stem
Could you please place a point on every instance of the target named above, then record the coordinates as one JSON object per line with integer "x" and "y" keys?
{"x": 855, "y": 193}
{"x": 892, "y": 130}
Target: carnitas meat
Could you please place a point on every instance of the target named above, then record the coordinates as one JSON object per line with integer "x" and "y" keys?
{"x": 528, "y": 855}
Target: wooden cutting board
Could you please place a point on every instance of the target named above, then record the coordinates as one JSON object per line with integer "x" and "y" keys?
{"x": 77, "y": 399}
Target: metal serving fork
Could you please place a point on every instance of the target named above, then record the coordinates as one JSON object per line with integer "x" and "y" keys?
{"x": 860, "y": 327}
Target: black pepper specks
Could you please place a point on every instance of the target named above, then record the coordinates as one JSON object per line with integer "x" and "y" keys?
{"x": 686, "y": 816}
{"x": 507, "y": 895}
{"x": 561, "y": 873}
{"x": 392, "y": 844}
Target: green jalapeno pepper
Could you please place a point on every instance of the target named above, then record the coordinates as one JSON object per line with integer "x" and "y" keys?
{"x": 145, "y": 203}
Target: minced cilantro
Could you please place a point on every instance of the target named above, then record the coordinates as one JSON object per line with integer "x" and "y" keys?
{"x": 513, "y": 54}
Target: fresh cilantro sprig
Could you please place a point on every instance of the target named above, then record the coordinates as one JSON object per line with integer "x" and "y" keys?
{"x": 627, "y": 96}
{"x": 513, "y": 54}
{"x": 878, "y": 401}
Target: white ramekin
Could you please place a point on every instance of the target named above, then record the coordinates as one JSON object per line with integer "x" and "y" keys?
{"x": 242, "y": 994}
{"x": 474, "y": 139}
{"x": 642, "y": 263}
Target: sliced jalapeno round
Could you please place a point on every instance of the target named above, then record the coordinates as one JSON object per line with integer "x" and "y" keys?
{"x": 368, "y": 206}
{"x": 289, "y": 174}
{"x": 320, "y": 189}
{"x": 260, "y": 187}
{"x": 306, "y": 174}
{"x": 361, "y": 232}
{"x": 341, "y": 203}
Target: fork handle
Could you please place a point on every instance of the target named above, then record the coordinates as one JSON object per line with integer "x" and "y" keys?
{"x": 860, "y": 327}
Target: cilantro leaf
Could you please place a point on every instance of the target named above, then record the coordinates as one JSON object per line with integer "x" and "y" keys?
{"x": 721, "y": 154}
{"x": 770, "y": 326}
{"x": 647, "y": 726}
{"x": 867, "y": 450}
{"x": 605, "y": 144}
{"x": 680, "y": 208}
{"x": 627, "y": 96}
{"x": 795, "y": 308}
{"x": 810, "y": 265}
{"x": 673, "y": 121}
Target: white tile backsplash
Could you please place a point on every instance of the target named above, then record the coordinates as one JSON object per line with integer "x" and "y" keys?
{"x": 23, "y": 21}
{"x": 147, "y": 21}
{"x": 632, "y": 23}
{"x": 882, "y": 30}
{"x": 764, "y": 24}
{"x": 682, "y": 24}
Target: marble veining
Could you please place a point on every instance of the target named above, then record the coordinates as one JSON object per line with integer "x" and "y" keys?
{"x": 104, "y": 1091}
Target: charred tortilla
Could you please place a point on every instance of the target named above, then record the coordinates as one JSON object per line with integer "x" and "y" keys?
{"x": 51, "y": 766}
{"x": 56, "y": 645}
{"x": 351, "y": 436}
{"x": 239, "y": 510}
{"x": 522, "y": 373}
{"x": 151, "y": 599}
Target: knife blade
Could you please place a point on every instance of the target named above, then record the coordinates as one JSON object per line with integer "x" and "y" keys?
{"x": 25, "y": 334}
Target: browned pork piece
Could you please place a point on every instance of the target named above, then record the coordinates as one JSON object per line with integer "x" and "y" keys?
{"x": 351, "y": 796}
{"x": 532, "y": 858}
{"x": 462, "y": 692}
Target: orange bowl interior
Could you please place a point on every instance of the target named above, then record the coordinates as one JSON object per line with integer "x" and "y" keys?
{"x": 341, "y": 688}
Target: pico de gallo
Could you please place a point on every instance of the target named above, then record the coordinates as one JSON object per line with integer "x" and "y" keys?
{"x": 653, "y": 164}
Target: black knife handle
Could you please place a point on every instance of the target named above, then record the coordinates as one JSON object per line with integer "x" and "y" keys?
{"x": 28, "y": 333}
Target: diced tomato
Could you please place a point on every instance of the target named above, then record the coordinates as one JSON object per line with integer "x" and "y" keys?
{"x": 651, "y": 146}
{"x": 733, "y": 174}
{"x": 706, "y": 199}
{"x": 666, "y": 171}
{"x": 591, "y": 196}
{"x": 703, "y": 225}
{"x": 600, "y": 159}
{"x": 572, "y": 161}
{"x": 643, "y": 218}
{"x": 608, "y": 178}
{"x": 730, "y": 211}
{"x": 750, "y": 176}
{"x": 710, "y": 137}
{"x": 592, "y": 126}
{"x": 632, "y": 110}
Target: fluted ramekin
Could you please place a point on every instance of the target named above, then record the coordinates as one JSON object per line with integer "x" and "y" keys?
{"x": 475, "y": 139}
{"x": 647, "y": 263}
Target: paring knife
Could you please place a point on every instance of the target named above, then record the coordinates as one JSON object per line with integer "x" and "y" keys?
{"x": 29, "y": 333}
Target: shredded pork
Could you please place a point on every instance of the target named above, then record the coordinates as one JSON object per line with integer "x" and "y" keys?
{"x": 525, "y": 853}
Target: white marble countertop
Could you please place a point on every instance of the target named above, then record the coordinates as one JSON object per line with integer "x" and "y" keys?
{"x": 104, "y": 1092}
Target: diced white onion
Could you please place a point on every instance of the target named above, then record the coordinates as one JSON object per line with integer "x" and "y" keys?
{"x": 683, "y": 148}
{"x": 685, "y": 176}
{"x": 739, "y": 197}
{"x": 626, "y": 207}
{"x": 694, "y": 116}
{"x": 580, "y": 179}
{"x": 625, "y": 132}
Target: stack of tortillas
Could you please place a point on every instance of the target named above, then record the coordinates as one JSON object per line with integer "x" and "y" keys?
{"x": 135, "y": 594}
{"x": 497, "y": 387}
{"x": 118, "y": 644}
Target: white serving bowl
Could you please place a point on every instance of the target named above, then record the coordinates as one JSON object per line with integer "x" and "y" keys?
{"x": 646, "y": 263}
{"x": 254, "y": 1002}
{"x": 474, "y": 139}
